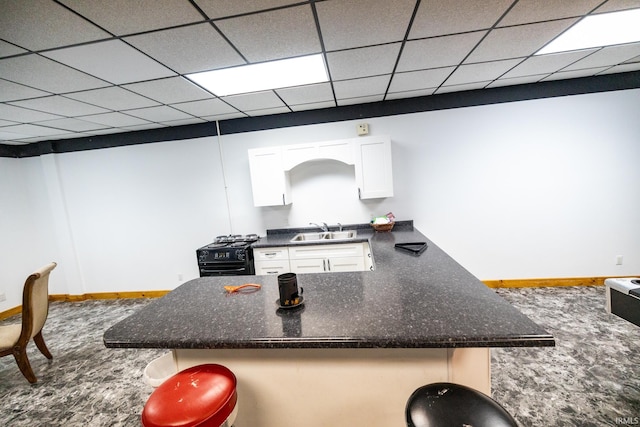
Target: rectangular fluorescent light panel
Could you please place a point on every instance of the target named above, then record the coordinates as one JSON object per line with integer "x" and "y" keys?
{"x": 597, "y": 31}
{"x": 290, "y": 72}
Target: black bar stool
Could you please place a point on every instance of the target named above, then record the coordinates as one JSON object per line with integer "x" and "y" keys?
{"x": 454, "y": 405}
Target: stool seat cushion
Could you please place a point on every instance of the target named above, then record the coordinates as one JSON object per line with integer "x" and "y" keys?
{"x": 454, "y": 405}
{"x": 203, "y": 396}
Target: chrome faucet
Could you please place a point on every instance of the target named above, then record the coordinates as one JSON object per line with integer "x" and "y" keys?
{"x": 339, "y": 226}
{"x": 324, "y": 227}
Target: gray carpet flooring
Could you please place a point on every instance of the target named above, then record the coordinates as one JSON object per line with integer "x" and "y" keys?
{"x": 591, "y": 378}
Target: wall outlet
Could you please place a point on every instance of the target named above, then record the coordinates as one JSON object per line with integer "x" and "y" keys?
{"x": 618, "y": 259}
{"x": 3, "y": 297}
{"x": 363, "y": 129}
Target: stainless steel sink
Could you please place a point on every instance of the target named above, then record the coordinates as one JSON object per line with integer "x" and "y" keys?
{"x": 329, "y": 235}
{"x": 308, "y": 237}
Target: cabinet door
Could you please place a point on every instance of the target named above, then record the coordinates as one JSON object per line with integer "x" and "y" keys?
{"x": 309, "y": 265}
{"x": 374, "y": 176}
{"x": 346, "y": 264}
{"x": 269, "y": 182}
{"x": 266, "y": 268}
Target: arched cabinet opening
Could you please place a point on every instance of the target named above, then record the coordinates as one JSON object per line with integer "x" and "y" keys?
{"x": 370, "y": 156}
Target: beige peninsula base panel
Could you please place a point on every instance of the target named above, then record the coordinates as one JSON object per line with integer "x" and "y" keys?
{"x": 338, "y": 387}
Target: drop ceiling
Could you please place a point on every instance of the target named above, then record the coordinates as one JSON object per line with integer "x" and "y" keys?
{"x": 77, "y": 68}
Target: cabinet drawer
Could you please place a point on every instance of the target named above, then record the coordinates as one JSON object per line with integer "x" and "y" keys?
{"x": 325, "y": 251}
{"x": 265, "y": 254}
{"x": 265, "y": 268}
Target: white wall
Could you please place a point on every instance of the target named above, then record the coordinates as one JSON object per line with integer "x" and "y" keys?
{"x": 544, "y": 188}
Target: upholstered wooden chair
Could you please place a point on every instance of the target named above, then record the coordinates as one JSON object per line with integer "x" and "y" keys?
{"x": 35, "y": 308}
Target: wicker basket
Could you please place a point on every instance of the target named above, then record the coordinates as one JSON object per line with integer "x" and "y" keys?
{"x": 383, "y": 227}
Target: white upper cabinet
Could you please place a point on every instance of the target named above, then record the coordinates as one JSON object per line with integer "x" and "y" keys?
{"x": 370, "y": 155}
{"x": 269, "y": 181}
{"x": 374, "y": 175}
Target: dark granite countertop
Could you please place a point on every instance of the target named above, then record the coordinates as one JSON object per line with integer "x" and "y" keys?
{"x": 409, "y": 301}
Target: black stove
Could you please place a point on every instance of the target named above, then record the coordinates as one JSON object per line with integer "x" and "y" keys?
{"x": 227, "y": 256}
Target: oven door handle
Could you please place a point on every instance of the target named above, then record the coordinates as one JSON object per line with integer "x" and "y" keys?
{"x": 210, "y": 270}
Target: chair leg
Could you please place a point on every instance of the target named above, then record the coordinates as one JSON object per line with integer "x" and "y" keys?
{"x": 22, "y": 360}
{"x": 39, "y": 340}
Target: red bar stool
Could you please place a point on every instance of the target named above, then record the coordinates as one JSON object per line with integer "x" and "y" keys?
{"x": 200, "y": 396}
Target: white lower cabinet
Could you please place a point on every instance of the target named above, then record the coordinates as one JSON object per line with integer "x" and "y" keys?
{"x": 271, "y": 260}
{"x": 330, "y": 258}
{"x": 313, "y": 258}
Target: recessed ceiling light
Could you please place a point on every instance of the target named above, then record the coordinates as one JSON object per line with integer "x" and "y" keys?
{"x": 597, "y": 31}
{"x": 263, "y": 76}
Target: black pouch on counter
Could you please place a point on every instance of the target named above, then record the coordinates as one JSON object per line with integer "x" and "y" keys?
{"x": 415, "y": 248}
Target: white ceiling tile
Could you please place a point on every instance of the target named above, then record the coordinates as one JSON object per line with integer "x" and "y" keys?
{"x": 189, "y": 121}
{"x": 112, "y": 60}
{"x": 268, "y": 111}
{"x": 205, "y": 108}
{"x": 312, "y": 106}
{"x": 308, "y": 94}
{"x": 23, "y": 115}
{"x": 607, "y": 56}
{"x": 355, "y": 23}
{"x": 170, "y": 90}
{"x": 7, "y": 123}
{"x": 369, "y": 86}
{"x": 75, "y": 125}
{"x": 419, "y": 80}
{"x": 12, "y": 91}
{"x": 115, "y": 119}
{"x": 224, "y": 116}
{"x": 188, "y": 49}
{"x": 42, "y": 24}
{"x": 59, "y": 105}
{"x": 482, "y": 72}
{"x": 634, "y": 59}
{"x": 526, "y": 11}
{"x": 145, "y": 127}
{"x": 520, "y": 41}
{"x": 562, "y": 75}
{"x": 254, "y": 101}
{"x": 6, "y": 136}
{"x": 159, "y": 114}
{"x": 363, "y": 62}
{"x": 7, "y": 49}
{"x": 220, "y": 8}
{"x": 42, "y": 73}
{"x": 623, "y": 68}
{"x": 112, "y": 98}
{"x": 546, "y": 64}
{"x": 282, "y": 33}
{"x": 517, "y": 80}
{"x": 615, "y": 5}
{"x": 435, "y": 18}
{"x": 437, "y": 52}
{"x": 410, "y": 94}
{"x": 461, "y": 87}
{"x": 361, "y": 100}
{"x": 126, "y": 17}
{"x": 33, "y": 130}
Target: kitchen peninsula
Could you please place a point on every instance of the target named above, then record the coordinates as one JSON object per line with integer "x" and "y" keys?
{"x": 356, "y": 349}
